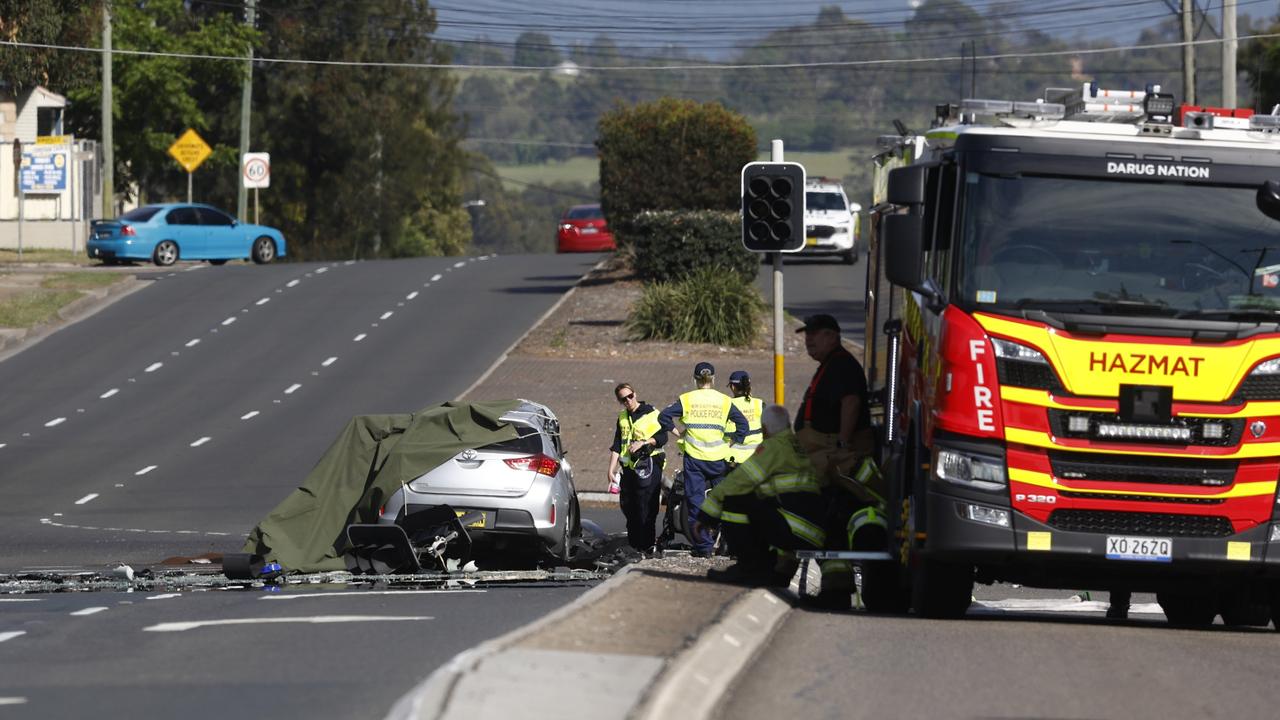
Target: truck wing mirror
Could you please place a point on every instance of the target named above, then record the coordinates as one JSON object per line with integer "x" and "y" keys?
{"x": 1269, "y": 199}
{"x": 903, "y": 236}
{"x": 906, "y": 185}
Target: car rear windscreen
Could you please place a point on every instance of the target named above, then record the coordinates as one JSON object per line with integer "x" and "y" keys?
{"x": 141, "y": 214}
{"x": 590, "y": 212}
{"x": 528, "y": 443}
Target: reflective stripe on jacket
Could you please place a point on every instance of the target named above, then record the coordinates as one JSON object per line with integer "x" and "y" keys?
{"x": 645, "y": 427}
{"x": 751, "y": 408}
{"x": 779, "y": 467}
{"x": 705, "y": 413}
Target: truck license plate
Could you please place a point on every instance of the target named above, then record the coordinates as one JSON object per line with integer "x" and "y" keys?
{"x": 1122, "y": 547}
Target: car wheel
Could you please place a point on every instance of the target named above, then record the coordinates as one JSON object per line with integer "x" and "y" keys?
{"x": 849, "y": 258}
{"x": 165, "y": 254}
{"x": 560, "y": 553}
{"x": 264, "y": 250}
{"x": 217, "y": 262}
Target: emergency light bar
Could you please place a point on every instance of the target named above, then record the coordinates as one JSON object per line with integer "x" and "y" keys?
{"x": 1013, "y": 108}
{"x": 1265, "y": 123}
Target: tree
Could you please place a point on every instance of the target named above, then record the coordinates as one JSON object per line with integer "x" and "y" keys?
{"x": 672, "y": 155}
{"x": 48, "y": 22}
{"x": 534, "y": 49}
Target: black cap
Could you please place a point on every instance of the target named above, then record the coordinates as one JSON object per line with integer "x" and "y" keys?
{"x": 738, "y": 377}
{"x": 820, "y": 321}
{"x": 704, "y": 369}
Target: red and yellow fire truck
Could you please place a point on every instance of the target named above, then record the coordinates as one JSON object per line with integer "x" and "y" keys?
{"x": 1077, "y": 353}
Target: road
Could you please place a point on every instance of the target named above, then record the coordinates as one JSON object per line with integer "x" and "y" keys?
{"x": 169, "y": 423}
{"x": 821, "y": 285}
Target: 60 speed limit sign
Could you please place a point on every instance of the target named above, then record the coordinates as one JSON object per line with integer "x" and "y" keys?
{"x": 255, "y": 170}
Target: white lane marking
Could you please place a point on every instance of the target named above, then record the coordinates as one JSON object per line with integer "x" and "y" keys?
{"x": 108, "y": 393}
{"x": 292, "y": 388}
{"x": 193, "y": 342}
{"x": 1067, "y": 605}
{"x": 13, "y": 701}
{"x": 312, "y": 619}
{"x": 329, "y": 362}
{"x": 349, "y": 262}
{"x": 146, "y": 469}
{"x": 11, "y": 634}
{"x": 55, "y": 422}
{"x": 732, "y": 640}
{"x": 154, "y": 367}
{"x": 291, "y": 283}
{"x": 165, "y": 596}
{"x": 249, "y": 415}
{"x": 86, "y": 498}
{"x": 2, "y": 445}
{"x": 322, "y": 270}
{"x": 229, "y": 320}
{"x": 358, "y": 593}
{"x": 411, "y": 295}
{"x": 5, "y": 600}
{"x": 263, "y": 301}
{"x": 359, "y": 337}
{"x": 459, "y": 264}
{"x": 436, "y": 277}
{"x": 387, "y": 314}
{"x": 88, "y": 611}
{"x": 201, "y": 441}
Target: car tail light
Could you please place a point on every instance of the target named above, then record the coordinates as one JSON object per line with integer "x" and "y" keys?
{"x": 539, "y": 463}
{"x": 553, "y": 514}
{"x": 382, "y": 511}
{"x": 128, "y": 231}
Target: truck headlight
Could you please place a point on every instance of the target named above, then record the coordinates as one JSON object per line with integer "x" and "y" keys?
{"x": 1009, "y": 350}
{"x": 983, "y": 473}
{"x": 1269, "y": 367}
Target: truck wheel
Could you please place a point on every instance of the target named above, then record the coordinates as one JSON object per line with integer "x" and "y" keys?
{"x": 1241, "y": 609}
{"x": 1187, "y": 610}
{"x": 941, "y": 590}
{"x": 882, "y": 589}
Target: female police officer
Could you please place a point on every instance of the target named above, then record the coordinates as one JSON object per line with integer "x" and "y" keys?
{"x": 637, "y": 450}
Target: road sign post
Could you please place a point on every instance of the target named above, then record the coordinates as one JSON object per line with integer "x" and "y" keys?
{"x": 255, "y": 173}
{"x": 190, "y": 150}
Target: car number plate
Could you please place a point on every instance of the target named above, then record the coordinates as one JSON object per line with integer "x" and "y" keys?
{"x": 590, "y": 230}
{"x": 477, "y": 524}
{"x": 1151, "y": 549}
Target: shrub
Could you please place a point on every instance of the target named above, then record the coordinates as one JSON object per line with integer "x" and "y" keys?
{"x": 708, "y": 306}
{"x": 670, "y": 245}
{"x": 672, "y": 154}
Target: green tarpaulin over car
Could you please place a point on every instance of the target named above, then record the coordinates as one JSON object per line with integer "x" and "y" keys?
{"x": 373, "y": 458}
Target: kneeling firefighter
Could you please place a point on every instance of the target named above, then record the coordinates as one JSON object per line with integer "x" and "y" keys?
{"x": 768, "y": 507}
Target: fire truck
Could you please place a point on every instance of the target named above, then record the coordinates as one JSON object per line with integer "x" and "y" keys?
{"x": 1076, "y": 358}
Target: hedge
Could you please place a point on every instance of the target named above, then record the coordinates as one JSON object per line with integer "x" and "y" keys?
{"x": 668, "y": 245}
{"x": 708, "y": 306}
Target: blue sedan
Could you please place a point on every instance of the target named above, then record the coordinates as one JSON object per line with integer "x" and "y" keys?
{"x": 168, "y": 232}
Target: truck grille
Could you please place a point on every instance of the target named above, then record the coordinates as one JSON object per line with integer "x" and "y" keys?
{"x": 1146, "y": 469}
{"x": 1127, "y": 523}
{"x": 1228, "y": 430}
{"x": 1139, "y": 498}
{"x": 819, "y": 231}
{"x": 1037, "y": 376}
{"x": 1259, "y": 387}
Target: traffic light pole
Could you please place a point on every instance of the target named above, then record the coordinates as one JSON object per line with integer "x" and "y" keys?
{"x": 779, "y": 386}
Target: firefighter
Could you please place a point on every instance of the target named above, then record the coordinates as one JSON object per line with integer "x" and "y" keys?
{"x": 637, "y": 452}
{"x": 704, "y": 414}
{"x": 768, "y": 507}
{"x": 834, "y": 426}
{"x": 751, "y": 408}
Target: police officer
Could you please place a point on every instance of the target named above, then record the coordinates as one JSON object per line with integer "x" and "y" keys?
{"x": 637, "y": 451}
{"x": 704, "y": 413}
{"x": 751, "y": 408}
{"x": 768, "y": 507}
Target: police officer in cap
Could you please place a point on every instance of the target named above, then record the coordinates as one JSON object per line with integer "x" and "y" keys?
{"x": 704, "y": 413}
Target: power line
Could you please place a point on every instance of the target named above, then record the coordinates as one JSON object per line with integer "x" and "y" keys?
{"x": 646, "y": 68}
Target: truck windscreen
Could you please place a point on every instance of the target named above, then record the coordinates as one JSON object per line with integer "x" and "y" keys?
{"x": 1098, "y": 245}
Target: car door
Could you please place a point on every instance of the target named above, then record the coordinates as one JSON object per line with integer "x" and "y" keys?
{"x": 183, "y": 227}
{"x": 223, "y": 235}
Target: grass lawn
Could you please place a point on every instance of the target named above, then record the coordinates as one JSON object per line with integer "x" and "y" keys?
{"x": 834, "y": 163}
{"x": 82, "y": 280}
{"x": 33, "y": 307}
{"x": 31, "y": 256}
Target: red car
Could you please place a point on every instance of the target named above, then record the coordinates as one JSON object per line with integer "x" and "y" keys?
{"x": 583, "y": 229}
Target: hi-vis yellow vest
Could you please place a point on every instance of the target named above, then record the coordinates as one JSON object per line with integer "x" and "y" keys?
{"x": 705, "y": 413}
{"x": 642, "y": 429}
{"x": 751, "y": 408}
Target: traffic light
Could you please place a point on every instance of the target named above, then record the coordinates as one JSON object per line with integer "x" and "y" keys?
{"x": 773, "y": 206}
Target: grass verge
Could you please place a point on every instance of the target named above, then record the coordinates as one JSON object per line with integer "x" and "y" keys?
{"x": 27, "y": 309}
{"x": 84, "y": 280}
{"x": 9, "y": 256}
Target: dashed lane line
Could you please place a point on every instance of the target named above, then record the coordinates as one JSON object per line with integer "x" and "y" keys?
{"x": 292, "y": 283}
{"x": 329, "y": 362}
{"x": 11, "y": 635}
{"x": 303, "y": 595}
{"x": 146, "y": 469}
{"x": 109, "y": 393}
{"x": 55, "y": 422}
{"x": 359, "y": 337}
{"x": 250, "y": 415}
{"x": 411, "y": 295}
{"x": 436, "y": 277}
{"x": 13, "y": 701}
{"x": 229, "y": 320}
{"x": 88, "y": 611}
{"x": 311, "y": 619}
{"x": 292, "y": 388}
{"x": 193, "y": 342}
{"x": 86, "y": 498}
{"x": 201, "y": 441}
{"x": 263, "y": 301}
{"x": 154, "y": 367}
{"x": 386, "y": 314}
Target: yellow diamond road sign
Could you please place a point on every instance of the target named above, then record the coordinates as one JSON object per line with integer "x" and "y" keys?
{"x": 190, "y": 150}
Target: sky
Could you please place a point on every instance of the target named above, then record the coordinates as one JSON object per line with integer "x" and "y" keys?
{"x": 713, "y": 28}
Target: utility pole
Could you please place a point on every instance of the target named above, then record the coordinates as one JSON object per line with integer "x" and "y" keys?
{"x": 246, "y": 102}
{"x": 1188, "y": 53}
{"x": 1229, "y": 47}
{"x": 108, "y": 142}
